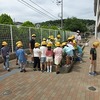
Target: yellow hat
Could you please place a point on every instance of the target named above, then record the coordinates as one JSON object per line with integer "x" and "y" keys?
{"x": 4, "y": 43}
{"x": 58, "y": 36}
{"x": 70, "y": 38}
{"x": 73, "y": 36}
{"x": 44, "y": 39}
{"x": 74, "y": 41}
{"x": 43, "y": 43}
{"x": 57, "y": 44}
{"x": 37, "y": 44}
{"x": 18, "y": 42}
{"x": 64, "y": 43}
{"x": 33, "y": 35}
{"x": 49, "y": 44}
{"x": 52, "y": 37}
{"x": 19, "y": 45}
{"x": 96, "y": 44}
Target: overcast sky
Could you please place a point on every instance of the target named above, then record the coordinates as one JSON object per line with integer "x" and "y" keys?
{"x": 50, "y": 10}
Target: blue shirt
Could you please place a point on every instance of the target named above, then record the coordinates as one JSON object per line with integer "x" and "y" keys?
{"x": 79, "y": 49}
{"x": 5, "y": 51}
{"x": 68, "y": 51}
{"x": 21, "y": 55}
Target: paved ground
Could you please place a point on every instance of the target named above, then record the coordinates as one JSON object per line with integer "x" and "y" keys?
{"x": 49, "y": 86}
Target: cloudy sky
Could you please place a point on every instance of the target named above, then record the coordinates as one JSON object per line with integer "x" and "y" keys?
{"x": 44, "y": 10}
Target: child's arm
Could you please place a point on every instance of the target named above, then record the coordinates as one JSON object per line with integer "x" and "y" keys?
{"x": 40, "y": 54}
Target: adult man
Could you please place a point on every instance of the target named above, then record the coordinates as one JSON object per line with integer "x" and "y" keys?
{"x": 78, "y": 37}
{"x": 32, "y": 44}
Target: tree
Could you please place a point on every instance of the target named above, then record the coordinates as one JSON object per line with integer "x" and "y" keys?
{"x": 28, "y": 24}
{"x": 74, "y": 24}
{"x": 5, "y": 19}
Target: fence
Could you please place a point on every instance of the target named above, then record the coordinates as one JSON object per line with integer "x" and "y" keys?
{"x": 13, "y": 33}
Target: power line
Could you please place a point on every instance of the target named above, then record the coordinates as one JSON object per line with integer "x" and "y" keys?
{"x": 43, "y": 9}
{"x": 30, "y": 6}
{"x": 37, "y": 9}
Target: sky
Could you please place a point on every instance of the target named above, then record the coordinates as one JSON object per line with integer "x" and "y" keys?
{"x": 44, "y": 10}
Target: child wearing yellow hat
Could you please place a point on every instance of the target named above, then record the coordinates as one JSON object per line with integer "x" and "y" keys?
{"x": 21, "y": 57}
{"x": 57, "y": 56}
{"x": 36, "y": 55}
{"x": 5, "y": 55}
{"x": 43, "y": 49}
{"x": 93, "y": 58}
{"x": 49, "y": 57}
{"x": 16, "y": 48}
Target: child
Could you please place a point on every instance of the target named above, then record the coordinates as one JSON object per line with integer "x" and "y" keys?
{"x": 93, "y": 58}
{"x": 36, "y": 55}
{"x": 43, "y": 49}
{"x": 58, "y": 56}
{"x": 49, "y": 57}
{"x": 69, "y": 54}
{"x": 21, "y": 57}
{"x": 79, "y": 53}
{"x": 16, "y": 51}
{"x": 5, "y": 55}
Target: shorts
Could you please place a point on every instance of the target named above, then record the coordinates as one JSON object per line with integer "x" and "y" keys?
{"x": 43, "y": 59}
{"x": 49, "y": 59}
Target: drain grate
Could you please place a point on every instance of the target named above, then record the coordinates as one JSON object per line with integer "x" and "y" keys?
{"x": 7, "y": 92}
{"x": 92, "y": 88}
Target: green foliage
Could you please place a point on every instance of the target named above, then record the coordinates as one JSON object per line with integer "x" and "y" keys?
{"x": 74, "y": 24}
{"x": 5, "y": 19}
{"x": 28, "y": 24}
{"x": 70, "y": 24}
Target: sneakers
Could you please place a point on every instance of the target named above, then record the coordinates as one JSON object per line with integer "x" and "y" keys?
{"x": 34, "y": 69}
{"x": 8, "y": 69}
{"x": 21, "y": 70}
{"x": 90, "y": 73}
{"x": 93, "y": 73}
{"x": 57, "y": 72}
{"x": 24, "y": 70}
{"x": 16, "y": 63}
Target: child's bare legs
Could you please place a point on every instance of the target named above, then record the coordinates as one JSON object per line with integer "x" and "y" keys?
{"x": 57, "y": 69}
{"x": 51, "y": 66}
{"x": 48, "y": 64}
{"x": 16, "y": 61}
{"x": 41, "y": 65}
{"x": 94, "y": 67}
{"x": 45, "y": 66}
{"x": 91, "y": 68}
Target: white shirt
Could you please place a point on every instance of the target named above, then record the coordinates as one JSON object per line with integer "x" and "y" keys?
{"x": 43, "y": 51}
{"x": 37, "y": 52}
{"x": 78, "y": 37}
{"x": 70, "y": 46}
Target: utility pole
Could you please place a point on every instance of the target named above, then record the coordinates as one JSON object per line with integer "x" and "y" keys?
{"x": 60, "y": 2}
{"x": 61, "y": 14}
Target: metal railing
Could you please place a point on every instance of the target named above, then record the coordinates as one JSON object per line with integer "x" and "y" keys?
{"x": 12, "y": 33}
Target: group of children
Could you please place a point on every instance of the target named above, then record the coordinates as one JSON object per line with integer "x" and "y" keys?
{"x": 44, "y": 55}
{"x": 49, "y": 53}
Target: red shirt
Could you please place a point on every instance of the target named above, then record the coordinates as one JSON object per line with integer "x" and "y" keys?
{"x": 49, "y": 53}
